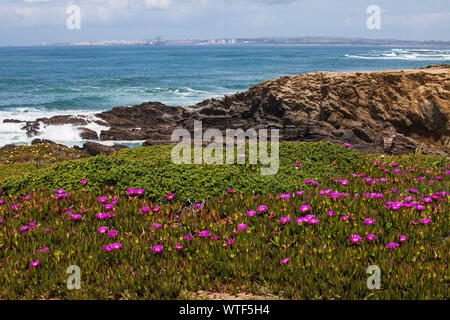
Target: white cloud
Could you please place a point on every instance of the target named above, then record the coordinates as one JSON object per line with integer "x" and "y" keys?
{"x": 158, "y": 4}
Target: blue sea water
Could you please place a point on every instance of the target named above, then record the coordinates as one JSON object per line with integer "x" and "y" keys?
{"x": 44, "y": 81}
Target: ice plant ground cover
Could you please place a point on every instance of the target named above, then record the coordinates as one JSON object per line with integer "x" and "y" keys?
{"x": 312, "y": 239}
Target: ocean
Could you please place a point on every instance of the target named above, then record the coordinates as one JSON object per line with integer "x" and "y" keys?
{"x": 38, "y": 82}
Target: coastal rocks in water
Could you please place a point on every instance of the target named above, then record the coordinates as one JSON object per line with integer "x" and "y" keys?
{"x": 384, "y": 111}
{"x": 88, "y": 134}
{"x": 12, "y": 121}
{"x": 7, "y": 147}
{"x": 41, "y": 141}
{"x": 93, "y": 148}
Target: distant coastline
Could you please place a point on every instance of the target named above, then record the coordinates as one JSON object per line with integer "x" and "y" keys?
{"x": 270, "y": 41}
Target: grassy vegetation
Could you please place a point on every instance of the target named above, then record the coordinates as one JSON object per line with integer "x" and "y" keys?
{"x": 153, "y": 170}
{"x": 250, "y": 246}
{"x": 24, "y": 159}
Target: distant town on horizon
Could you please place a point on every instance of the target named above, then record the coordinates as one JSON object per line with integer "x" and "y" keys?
{"x": 310, "y": 40}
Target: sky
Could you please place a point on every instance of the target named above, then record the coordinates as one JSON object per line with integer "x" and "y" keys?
{"x": 28, "y": 22}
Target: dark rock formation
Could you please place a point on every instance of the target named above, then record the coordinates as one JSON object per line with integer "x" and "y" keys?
{"x": 12, "y": 121}
{"x": 386, "y": 111}
{"x": 7, "y": 147}
{"x": 93, "y": 149}
{"x": 88, "y": 134}
{"x": 41, "y": 141}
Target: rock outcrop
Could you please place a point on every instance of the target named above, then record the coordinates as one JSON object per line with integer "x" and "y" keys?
{"x": 384, "y": 111}
{"x": 93, "y": 148}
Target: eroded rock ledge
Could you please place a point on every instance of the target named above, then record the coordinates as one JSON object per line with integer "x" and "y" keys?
{"x": 386, "y": 111}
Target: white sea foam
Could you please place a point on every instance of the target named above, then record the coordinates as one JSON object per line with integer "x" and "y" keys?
{"x": 406, "y": 54}
{"x": 67, "y": 134}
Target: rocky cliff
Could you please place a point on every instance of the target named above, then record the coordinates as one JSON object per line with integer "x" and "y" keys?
{"x": 386, "y": 111}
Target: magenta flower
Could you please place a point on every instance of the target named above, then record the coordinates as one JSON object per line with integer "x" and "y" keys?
{"x": 230, "y": 241}
{"x": 170, "y": 196}
{"x": 48, "y": 230}
{"x": 102, "y": 230}
{"x": 251, "y": 213}
{"x": 305, "y": 208}
{"x": 140, "y": 192}
{"x": 112, "y": 247}
{"x": 284, "y": 261}
{"x": 156, "y": 209}
{"x": 75, "y": 217}
{"x": 285, "y": 220}
{"x": 427, "y": 200}
{"x": 145, "y": 209}
{"x": 426, "y": 221}
{"x": 330, "y": 213}
{"x": 370, "y": 221}
{"x": 343, "y": 218}
{"x": 371, "y": 237}
{"x": 101, "y": 216}
{"x": 2, "y": 201}
{"x": 102, "y": 199}
{"x": 347, "y": 145}
{"x": 242, "y": 227}
{"x": 131, "y": 191}
{"x": 156, "y": 225}
{"x": 15, "y": 207}
{"x": 1, "y": 220}
{"x": 392, "y": 245}
{"x": 297, "y": 164}
{"x": 216, "y": 237}
{"x": 24, "y": 228}
{"x": 157, "y": 249}
{"x": 301, "y": 220}
{"x": 83, "y": 182}
{"x": 355, "y": 239}
{"x": 34, "y": 264}
{"x": 113, "y": 233}
{"x": 262, "y": 208}
{"x": 178, "y": 247}
{"x": 108, "y": 206}
{"x": 198, "y": 205}
{"x": 313, "y": 221}
{"x": 403, "y": 238}
{"x": 188, "y": 237}
{"x": 205, "y": 233}
{"x": 116, "y": 245}
{"x": 45, "y": 250}
{"x": 62, "y": 195}
{"x": 60, "y": 191}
